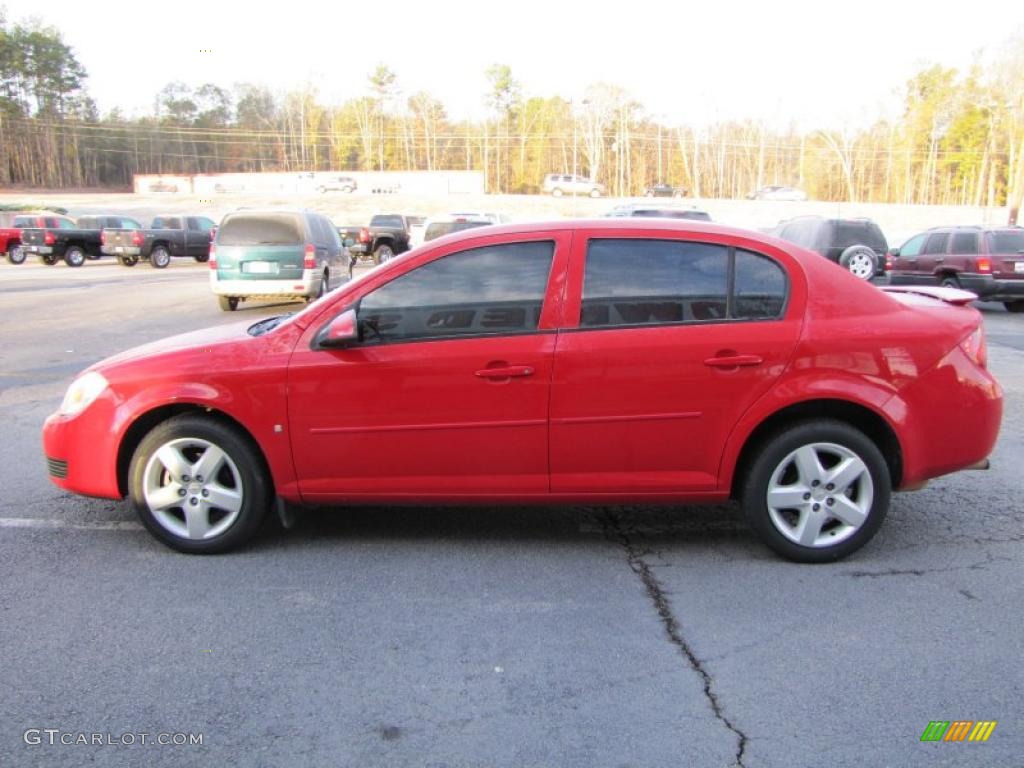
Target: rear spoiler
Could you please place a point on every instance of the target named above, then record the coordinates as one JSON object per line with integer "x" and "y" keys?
{"x": 955, "y": 296}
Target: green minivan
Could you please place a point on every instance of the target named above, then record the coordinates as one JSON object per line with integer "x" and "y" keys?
{"x": 274, "y": 254}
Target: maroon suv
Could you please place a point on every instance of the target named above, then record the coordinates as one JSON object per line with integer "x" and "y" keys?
{"x": 988, "y": 262}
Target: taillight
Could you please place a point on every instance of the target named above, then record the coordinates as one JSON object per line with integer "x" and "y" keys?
{"x": 975, "y": 348}
{"x": 49, "y": 238}
{"x": 889, "y": 262}
{"x": 309, "y": 262}
{"x": 984, "y": 264}
{"x": 364, "y": 235}
{"x": 103, "y": 237}
{"x": 213, "y": 256}
{"x": 137, "y": 238}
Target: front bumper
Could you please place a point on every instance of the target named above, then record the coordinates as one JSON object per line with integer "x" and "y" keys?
{"x": 81, "y": 454}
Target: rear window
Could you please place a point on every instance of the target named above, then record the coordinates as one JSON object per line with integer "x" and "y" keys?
{"x": 441, "y": 228}
{"x": 261, "y": 229}
{"x": 387, "y": 221}
{"x": 167, "y": 222}
{"x": 847, "y": 233}
{"x": 1006, "y": 242}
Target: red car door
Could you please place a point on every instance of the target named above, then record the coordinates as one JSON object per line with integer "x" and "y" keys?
{"x": 675, "y": 340}
{"x": 447, "y": 394}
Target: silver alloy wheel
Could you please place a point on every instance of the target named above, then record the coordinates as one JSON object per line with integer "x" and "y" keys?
{"x": 193, "y": 488}
{"x": 861, "y": 265}
{"x": 820, "y": 495}
{"x": 17, "y": 254}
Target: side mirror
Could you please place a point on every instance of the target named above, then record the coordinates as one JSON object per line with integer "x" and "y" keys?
{"x": 342, "y": 331}
{"x": 894, "y": 252}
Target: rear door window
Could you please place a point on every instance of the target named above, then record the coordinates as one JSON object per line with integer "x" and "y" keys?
{"x": 492, "y": 290}
{"x": 655, "y": 282}
{"x": 965, "y": 243}
{"x": 261, "y": 229}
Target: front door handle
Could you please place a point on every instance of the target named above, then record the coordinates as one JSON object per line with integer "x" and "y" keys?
{"x": 733, "y": 361}
{"x": 506, "y": 372}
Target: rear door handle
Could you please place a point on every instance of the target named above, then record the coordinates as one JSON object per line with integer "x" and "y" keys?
{"x": 505, "y": 373}
{"x": 734, "y": 361}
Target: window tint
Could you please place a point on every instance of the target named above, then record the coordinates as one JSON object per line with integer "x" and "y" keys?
{"x": 913, "y": 246}
{"x": 847, "y": 233}
{"x": 638, "y": 282}
{"x": 759, "y": 287}
{"x": 1006, "y": 242}
{"x": 964, "y": 242}
{"x": 496, "y": 289}
{"x": 394, "y": 222}
{"x": 316, "y": 229}
{"x": 439, "y": 228}
{"x": 130, "y": 224}
{"x": 936, "y": 243}
{"x": 261, "y": 229}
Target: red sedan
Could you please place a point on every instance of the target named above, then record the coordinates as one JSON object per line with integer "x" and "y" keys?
{"x": 583, "y": 362}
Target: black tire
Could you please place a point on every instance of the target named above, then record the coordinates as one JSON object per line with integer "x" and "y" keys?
{"x": 556, "y": 192}
{"x": 860, "y": 261}
{"x": 383, "y": 253}
{"x": 773, "y": 459}
{"x": 16, "y": 254}
{"x": 243, "y": 472}
{"x": 74, "y": 256}
{"x": 324, "y": 287}
{"x": 160, "y": 257}
{"x": 228, "y": 303}
{"x": 951, "y": 281}
{"x": 49, "y": 259}
{"x": 202, "y": 259}
{"x": 128, "y": 261}
{"x": 1014, "y": 306}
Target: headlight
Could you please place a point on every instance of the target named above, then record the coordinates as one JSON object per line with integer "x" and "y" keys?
{"x": 82, "y": 392}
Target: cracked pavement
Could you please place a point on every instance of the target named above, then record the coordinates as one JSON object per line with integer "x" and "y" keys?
{"x": 632, "y": 636}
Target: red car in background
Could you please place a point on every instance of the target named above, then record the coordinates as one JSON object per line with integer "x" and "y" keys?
{"x": 13, "y": 223}
{"x": 582, "y": 362}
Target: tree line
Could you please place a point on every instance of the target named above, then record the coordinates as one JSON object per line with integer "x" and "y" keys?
{"x": 959, "y": 140}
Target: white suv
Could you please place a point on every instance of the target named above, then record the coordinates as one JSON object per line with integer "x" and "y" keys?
{"x": 559, "y": 184}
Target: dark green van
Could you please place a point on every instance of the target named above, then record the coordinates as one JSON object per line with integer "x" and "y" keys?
{"x": 275, "y": 254}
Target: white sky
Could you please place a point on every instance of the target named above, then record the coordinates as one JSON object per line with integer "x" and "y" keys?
{"x": 818, "y": 64}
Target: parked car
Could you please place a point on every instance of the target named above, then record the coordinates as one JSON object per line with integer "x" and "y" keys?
{"x": 169, "y": 235}
{"x": 12, "y": 223}
{"x": 774, "y": 192}
{"x": 648, "y": 210}
{"x": 386, "y": 236}
{"x": 988, "y": 262}
{"x": 338, "y": 184}
{"x": 273, "y": 255}
{"x": 75, "y": 244}
{"x": 438, "y": 226}
{"x": 664, "y": 190}
{"x": 857, "y": 245}
{"x": 579, "y": 362}
{"x": 558, "y": 184}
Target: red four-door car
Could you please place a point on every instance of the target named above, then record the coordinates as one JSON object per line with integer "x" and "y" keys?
{"x": 580, "y": 361}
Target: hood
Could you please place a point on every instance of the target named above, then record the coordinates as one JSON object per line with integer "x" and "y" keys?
{"x": 205, "y": 338}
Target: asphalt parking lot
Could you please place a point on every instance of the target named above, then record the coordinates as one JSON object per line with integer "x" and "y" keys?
{"x": 484, "y": 637}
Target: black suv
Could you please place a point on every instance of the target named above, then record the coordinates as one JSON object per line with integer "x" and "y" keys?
{"x": 854, "y": 244}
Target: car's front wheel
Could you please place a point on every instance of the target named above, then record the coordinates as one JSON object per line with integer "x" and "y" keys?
{"x": 860, "y": 261}
{"x": 817, "y": 491}
{"x": 199, "y": 485}
{"x": 17, "y": 254}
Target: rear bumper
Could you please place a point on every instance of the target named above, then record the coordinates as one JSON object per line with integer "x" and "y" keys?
{"x": 42, "y": 250}
{"x": 950, "y": 418}
{"x": 307, "y": 285}
{"x": 120, "y": 250}
{"x": 990, "y": 288}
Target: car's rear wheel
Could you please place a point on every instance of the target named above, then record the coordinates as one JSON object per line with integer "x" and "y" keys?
{"x": 199, "y": 485}
{"x": 16, "y": 255}
{"x": 325, "y": 284}
{"x": 1014, "y": 306}
{"x": 228, "y": 303}
{"x": 951, "y": 281}
{"x": 860, "y": 261}
{"x": 74, "y": 256}
{"x": 383, "y": 253}
{"x": 160, "y": 257}
{"x": 817, "y": 491}
{"x": 203, "y": 258}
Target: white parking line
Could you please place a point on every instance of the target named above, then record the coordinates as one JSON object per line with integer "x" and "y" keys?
{"x": 38, "y": 522}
